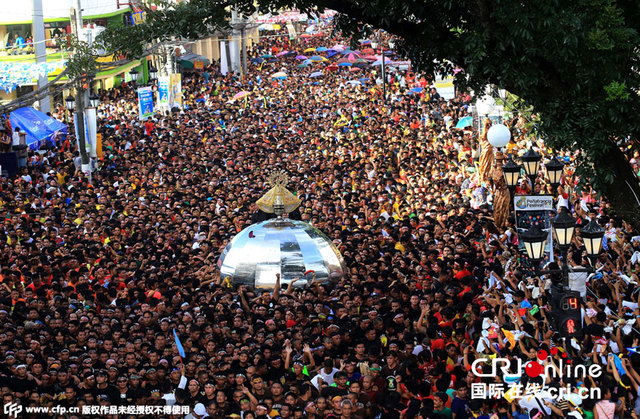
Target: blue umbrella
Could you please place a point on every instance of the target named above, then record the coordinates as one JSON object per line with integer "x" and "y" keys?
{"x": 316, "y": 58}
{"x": 417, "y": 90}
{"x": 467, "y": 121}
{"x": 344, "y": 64}
{"x": 331, "y": 53}
{"x": 321, "y": 49}
{"x": 307, "y": 62}
{"x": 347, "y": 51}
{"x": 363, "y": 79}
{"x": 302, "y": 65}
{"x": 267, "y": 56}
{"x": 257, "y": 60}
{"x": 316, "y": 74}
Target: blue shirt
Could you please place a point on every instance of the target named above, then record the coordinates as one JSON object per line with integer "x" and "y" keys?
{"x": 460, "y": 408}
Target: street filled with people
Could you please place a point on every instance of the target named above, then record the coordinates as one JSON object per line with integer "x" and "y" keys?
{"x": 99, "y": 280}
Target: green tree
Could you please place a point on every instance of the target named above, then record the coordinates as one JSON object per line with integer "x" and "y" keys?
{"x": 574, "y": 61}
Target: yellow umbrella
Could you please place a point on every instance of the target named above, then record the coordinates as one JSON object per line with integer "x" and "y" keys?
{"x": 310, "y": 50}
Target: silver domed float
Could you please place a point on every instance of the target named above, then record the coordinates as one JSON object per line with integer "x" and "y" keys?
{"x": 280, "y": 245}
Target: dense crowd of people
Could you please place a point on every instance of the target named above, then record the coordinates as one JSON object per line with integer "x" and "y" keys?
{"x": 96, "y": 277}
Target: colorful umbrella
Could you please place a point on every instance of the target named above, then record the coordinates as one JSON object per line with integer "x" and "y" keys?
{"x": 322, "y": 49}
{"x": 240, "y": 95}
{"x": 303, "y": 65}
{"x": 467, "y": 121}
{"x": 301, "y": 57}
{"x": 338, "y": 47}
{"x": 351, "y": 57}
{"x": 280, "y": 54}
{"x": 316, "y": 74}
{"x": 279, "y": 75}
{"x": 317, "y": 58}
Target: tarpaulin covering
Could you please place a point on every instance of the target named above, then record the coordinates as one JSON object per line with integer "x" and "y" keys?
{"x": 38, "y": 126}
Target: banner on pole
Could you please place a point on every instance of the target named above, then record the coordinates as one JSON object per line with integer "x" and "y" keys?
{"x": 91, "y": 124}
{"x": 224, "y": 62}
{"x": 533, "y": 210}
{"x": 87, "y": 138}
{"x": 175, "y": 98}
{"x": 99, "y": 146}
{"x": 445, "y": 87}
{"x": 163, "y": 92}
{"x": 145, "y": 102}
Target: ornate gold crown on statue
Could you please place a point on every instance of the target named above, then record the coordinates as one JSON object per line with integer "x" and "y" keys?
{"x": 278, "y": 200}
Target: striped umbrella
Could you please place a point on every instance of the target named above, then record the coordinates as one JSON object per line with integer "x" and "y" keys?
{"x": 353, "y": 57}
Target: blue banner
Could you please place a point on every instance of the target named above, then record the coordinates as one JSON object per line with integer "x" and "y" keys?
{"x": 163, "y": 91}
{"x": 145, "y": 102}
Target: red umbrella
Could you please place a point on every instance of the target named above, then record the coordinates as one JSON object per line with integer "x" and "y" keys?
{"x": 305, "y": 35}
{"x": 354, "y": 69}
{"x": 332, "y": 67}
{"x": 368, "y": 51}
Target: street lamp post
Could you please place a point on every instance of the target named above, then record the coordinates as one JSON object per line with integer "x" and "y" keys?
{"x": 511, "y": 172}
{"x": 531, "y": 163}
{"x": 374, "y": 45}
{"x": 153, "y": 73}
{"x": 94, "y": 100}
{"x": 70, "y": 104}
{"x": 554, "y": 170}
{"x": 134, "y": 75}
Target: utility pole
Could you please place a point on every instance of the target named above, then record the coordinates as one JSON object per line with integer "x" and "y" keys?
{"x": 244, "y": 47}
{"x": 41, "y": 51}
{"x": 76, "y": 25}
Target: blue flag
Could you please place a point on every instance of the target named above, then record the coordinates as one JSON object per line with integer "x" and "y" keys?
{"x": 179, "y": 345}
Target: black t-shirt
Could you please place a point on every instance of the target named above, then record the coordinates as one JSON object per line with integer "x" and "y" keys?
{"x": 594, "y": 329}
{"x": 110, "y": 391}
{"x": 21, "y": 385}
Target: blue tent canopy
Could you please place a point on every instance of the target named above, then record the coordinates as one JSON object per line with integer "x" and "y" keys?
{"x": 39, "y": 127}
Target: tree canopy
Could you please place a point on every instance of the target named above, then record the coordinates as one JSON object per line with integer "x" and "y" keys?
{"x": 574, "y": 61}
